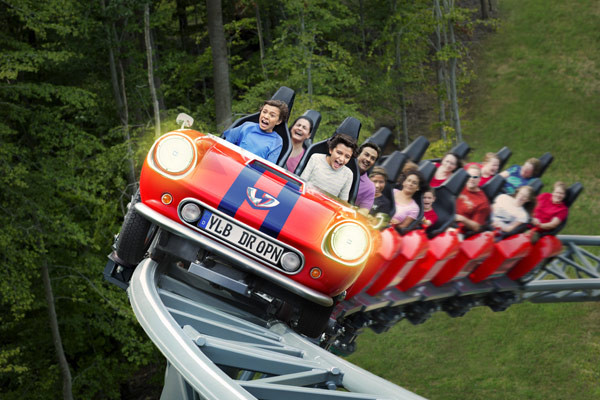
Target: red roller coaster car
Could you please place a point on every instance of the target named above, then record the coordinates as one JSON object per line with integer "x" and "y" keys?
{"x": 243, "y": 223}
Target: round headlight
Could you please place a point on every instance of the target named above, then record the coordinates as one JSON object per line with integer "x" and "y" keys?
{"x": 349, "y": 241}
{"x": 174, "y": 154}
{"x": 290, "y": 262}
{"x": 190, "y": 212}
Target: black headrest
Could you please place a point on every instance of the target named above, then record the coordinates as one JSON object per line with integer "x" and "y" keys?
{"x": 350, "y": 126}
{"x": 427, "y": 169}
{"x": 572, "y": 193}
{"x": 388, "y": 193}
{"x": 286, "y": 95}
{"x": 416, "y": 149}
{"x": 503, "y": 155}
{"x": 536, "y": 184}
{"x": 353, "y": 165}
{"x": 445, "y": 202}
{"x": 381, "y": 137}
{"x": 493, "y": 187}
{"x": 545, "y": 161}
{"x": 461, "y": 150}
{"x": 456, "y": 182}
{"x": 315, "y": 116}
{"x": 393, "y": 165}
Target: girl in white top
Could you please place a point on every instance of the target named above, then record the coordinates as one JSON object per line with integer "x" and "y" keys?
{"x": 509, "y": 212}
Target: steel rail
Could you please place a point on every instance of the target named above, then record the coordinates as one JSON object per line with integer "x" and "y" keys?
{"x": 216, "y": 351}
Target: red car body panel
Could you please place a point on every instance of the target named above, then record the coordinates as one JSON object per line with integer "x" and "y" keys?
{"x": 546, "y": 247}
{"x": 391, "y": 244}
{"x": 414, "y": 247}
{"x": 505, "y": 255}
{"x": 472, "y": 252}
{"x": 219, "y": 179}
{"x": 442, "y": 248}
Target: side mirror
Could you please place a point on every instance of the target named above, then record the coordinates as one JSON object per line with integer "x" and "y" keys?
{"x": 185, "y": 120}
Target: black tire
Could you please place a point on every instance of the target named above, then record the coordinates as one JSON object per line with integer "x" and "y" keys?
{"x": 135, "y": 236}
{"x": 313, "y": 319}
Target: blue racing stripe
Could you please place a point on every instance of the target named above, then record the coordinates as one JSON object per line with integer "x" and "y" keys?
{"x": 236, "y": 195}
{"x": 277, "y": 216}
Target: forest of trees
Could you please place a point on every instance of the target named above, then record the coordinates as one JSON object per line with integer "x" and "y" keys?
{"x": 85, "y": 88}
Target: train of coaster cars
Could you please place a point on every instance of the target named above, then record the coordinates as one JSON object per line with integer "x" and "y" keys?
{"x": 257, "y": 236}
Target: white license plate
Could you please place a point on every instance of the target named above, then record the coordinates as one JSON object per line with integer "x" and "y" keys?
{"x": 240, "y": 237}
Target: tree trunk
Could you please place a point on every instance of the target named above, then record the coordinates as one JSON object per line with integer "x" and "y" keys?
{"x": 183, "y": 22}
{"x": 261, "y": 43}
{"x": 150, "y": 70}
{"x": 452, "y": 77}
{"x": 56, "y": 339}
{"x": 361, "y": 13}
{"x": 218, "y": 46}
{"x": 308, "y": 57}
{"x": 404, "y": 116}
{"x": 484, "y": 9}
{"x": 119, "y": 93}
{"x": 125, "y": 123}
{"x": 157, "y": 82}
{"x": 398, "y": 69}
{"x": 440, "y": 69}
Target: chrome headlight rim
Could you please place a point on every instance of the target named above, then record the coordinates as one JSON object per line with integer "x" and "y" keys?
{"x": 329, "y": 248}
{"x": 173, "y": 155}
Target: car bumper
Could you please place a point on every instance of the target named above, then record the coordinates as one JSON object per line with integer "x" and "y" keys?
{"x": 233, "y": 256}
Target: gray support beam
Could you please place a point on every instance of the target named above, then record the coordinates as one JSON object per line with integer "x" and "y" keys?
{"x": 217, "y": 352}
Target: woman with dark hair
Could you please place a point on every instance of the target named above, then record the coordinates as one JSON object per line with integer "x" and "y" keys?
{"x": 551, "y": 209}
{"x": 509, "y": 212}
{"x": 449, "y": 163}
{"x": 407, "y": 209}
{"x": 328, "y": 172}
{"x": 299, "y": 132}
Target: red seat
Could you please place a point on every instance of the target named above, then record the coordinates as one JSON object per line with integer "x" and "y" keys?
{"x": 472, "y": 252}
{"x": 414, "y": 247}
{"x": 386, "y": 251}
{"x": 545, "y": 248}
{"x": 505, "y": 255}
{"x": 442, "y": 249}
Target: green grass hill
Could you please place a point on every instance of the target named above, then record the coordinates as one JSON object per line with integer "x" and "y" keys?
{"x": 537, "y": 89}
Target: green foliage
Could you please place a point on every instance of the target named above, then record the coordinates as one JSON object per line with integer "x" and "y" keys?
{"x": 536, "y": 91}
{"x": 59, "y": 207}
{"x": 64, "y": 153}
{"x": 438, "y": 148}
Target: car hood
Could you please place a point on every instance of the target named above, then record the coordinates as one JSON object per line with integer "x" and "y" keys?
{"x": 264, "y": 196}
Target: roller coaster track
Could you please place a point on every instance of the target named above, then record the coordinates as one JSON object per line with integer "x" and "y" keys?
{"x": 215, "y": 350}
{"x": 572, "y": 276}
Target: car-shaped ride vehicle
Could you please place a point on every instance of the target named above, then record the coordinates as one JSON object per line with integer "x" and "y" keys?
{"x": 247, "y": 226}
